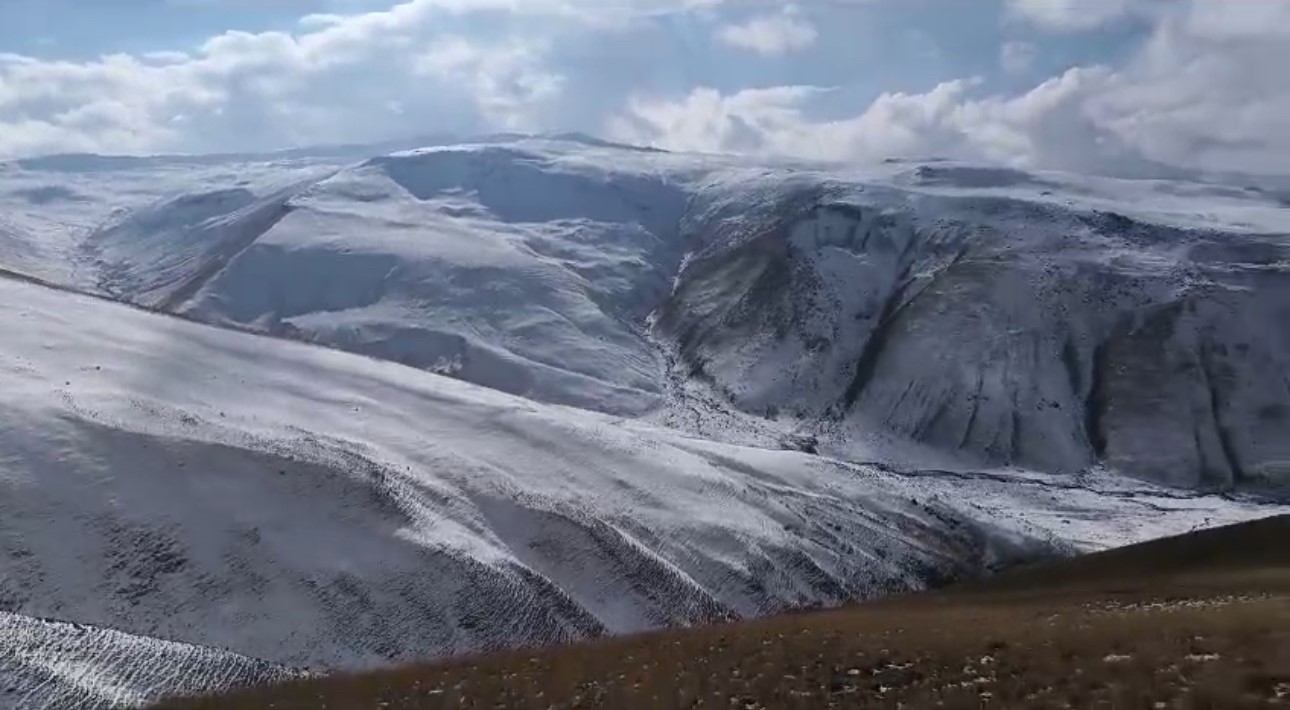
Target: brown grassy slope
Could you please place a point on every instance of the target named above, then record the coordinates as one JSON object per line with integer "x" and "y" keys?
{"x": 1200, "y": 621}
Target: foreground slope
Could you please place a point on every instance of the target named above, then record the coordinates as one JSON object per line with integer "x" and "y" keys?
{"x": 50, "y": 664}
{"x": 314, "y": 508}
{"x": 1175, "y": 623}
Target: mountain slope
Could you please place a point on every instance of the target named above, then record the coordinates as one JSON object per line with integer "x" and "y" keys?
{"x": 992, "y": 316}
{"x": 48, "y": 664}
{"x": 1120, "y": 629}
{"x": 527, "y": 270}
{"x": 315, "y": 508}
{"x": 987, "y": 315}
{"x": 509, "y": 269}
{"x": 713, "y": 389}
{"x": 1015, "y": 331}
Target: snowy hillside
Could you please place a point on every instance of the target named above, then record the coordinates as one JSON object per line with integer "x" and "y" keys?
{"x": 515, "y": 272}
{"x": 314, "y": 508}
{"x": 49, "y": 664}
{"x": 988, "y": 315}
{"x": 681, "y": 388}
{"x": 1017, "y": 328}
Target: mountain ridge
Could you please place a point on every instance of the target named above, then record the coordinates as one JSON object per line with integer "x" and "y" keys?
{"x": 421, "y": 300}
{"x": 645, "y": 418}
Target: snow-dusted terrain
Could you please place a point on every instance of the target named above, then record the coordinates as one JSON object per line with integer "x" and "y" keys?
{"x": 1034, "y": 328}
{"x": 710, "y": 389}
{"x": 46, "y": 664}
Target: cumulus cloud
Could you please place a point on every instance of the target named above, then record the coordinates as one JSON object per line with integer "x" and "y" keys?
{"x": 770, "y": 35}
{"x": 1258, "y": 19}
{"x": 333, "y": 77}
{"x": 753, "y": 120}
{"x": 1056, "y": 125}
{"x": 776, "y": 121}
{"x": 330, "y": 80}
{"x": 1205, "y": 88}
{"x": 1206, "y": 91}
{"x": 506, "y": 81}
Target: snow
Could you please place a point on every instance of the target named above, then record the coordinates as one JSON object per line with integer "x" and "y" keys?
{"x": 314, "y": 508}
{"x": 49, "y": 664}
{"x": 1001, "y": 327}
{"x": 510, "y": 266}
{"x": 679, "y": 389}
{"x": 529, "y": 265}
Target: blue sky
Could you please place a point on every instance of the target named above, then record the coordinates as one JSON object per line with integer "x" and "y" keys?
{"x": 1097, "y": 85}
{"x": 868, "y": 47}
{"x": 86, "y": 28}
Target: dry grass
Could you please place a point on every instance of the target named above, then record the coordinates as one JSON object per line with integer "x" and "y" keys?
{"x": 1195, "y": 622}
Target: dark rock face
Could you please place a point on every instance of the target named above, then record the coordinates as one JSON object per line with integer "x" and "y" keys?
{"x": 970, "y": 309}
{"x": 1015, "y": 332}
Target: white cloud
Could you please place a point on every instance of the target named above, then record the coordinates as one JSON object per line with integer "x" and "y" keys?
{"x": 775, "y": 121}
{"x": 1017, "y": 57}
{"x": 1072, "y": 14}
{"x": 770, "y": 35}
{"x": 1198, "y": 95}
{"x": 1259, "y": 19}
{"x": 753, "y": 120}
{"x": 507, "y": 81}
{"x": 1051, "y": 126}
{"x": 321, "y": 19}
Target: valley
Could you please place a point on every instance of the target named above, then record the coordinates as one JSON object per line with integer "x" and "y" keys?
{"x": 340, "y": 411}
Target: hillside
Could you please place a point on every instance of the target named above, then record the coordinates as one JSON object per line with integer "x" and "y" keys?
{"x": 1174, "y": 623}
{"x": 313, "y": 508}
{"x": 931, "y": 314}
{"x": 52, "y": 664}
{"x": 331, "y": 410}
{"x": 1001, "y": 316}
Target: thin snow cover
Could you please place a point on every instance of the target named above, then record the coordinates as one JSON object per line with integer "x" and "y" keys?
{"x": 994, "y": 315}
{"x": 50, "y": 664}
{"x": 314, "y": 508}
{"x": 527, "y": 266}
{"x": 999, "y": 317}
{"x": 711, "y": 389}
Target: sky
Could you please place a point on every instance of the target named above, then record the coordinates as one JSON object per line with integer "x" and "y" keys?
{"x": 1135, "y": 87}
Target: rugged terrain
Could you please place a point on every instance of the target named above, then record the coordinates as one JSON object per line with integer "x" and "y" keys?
{"x": 332, "y": 410}
{"x": 1048, "y": 321}
{"x": 1003, "y": 323}
{"x": 1200, "y": 621}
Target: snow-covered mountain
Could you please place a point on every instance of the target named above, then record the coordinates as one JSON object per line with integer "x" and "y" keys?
{"x": 319, "y": 509}
{"x": 1047, "y": 321}
{"x": 710, "y": 389}
{"x": 1003, "y": 316}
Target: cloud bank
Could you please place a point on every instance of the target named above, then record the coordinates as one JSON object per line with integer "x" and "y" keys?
{"x": 1202, "y": 85}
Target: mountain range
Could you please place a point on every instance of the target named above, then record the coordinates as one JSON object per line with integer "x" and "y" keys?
{"x": 335, "y": 409}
